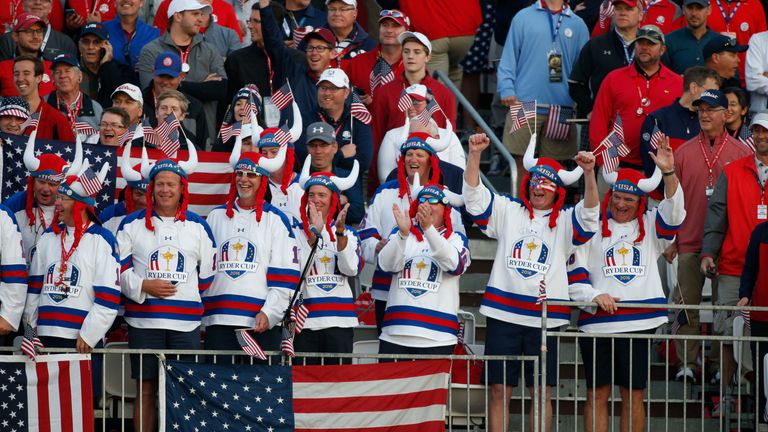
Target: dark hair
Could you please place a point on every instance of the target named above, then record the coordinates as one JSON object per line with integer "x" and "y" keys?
{"x": 741, "y": 95}
{"x": 699, "y": 75}
{"x": 123, "y": 114}
{"x": 39, "y": 69}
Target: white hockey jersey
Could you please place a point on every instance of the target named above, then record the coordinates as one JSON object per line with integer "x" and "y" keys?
{"x": 389, "y": 152}
{"x": 379, "y": 222}
{"x": 30, "y": 234}
{"x": 424, "y": 297}
{"x": 257, "y": 267}
{"x": 530, "y": 257}
{"x": 327, "y": 292}
{"x": 180, "y": 252}
{"x": 13, "y": 270}
{"x": 81, "y": 301}
{"x": 112, "y": 216}
{"x": 290, "y": 203}
{"x": 622, "y": 268}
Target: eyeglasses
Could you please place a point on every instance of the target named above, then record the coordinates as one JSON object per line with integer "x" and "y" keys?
{"x": 38, "y": 32}
{"x": 104, "y": 125}
{"x": 431, "y": 200}
{"x": 318, "y": 48}
{"x": 254, "y": 21}
{"x": 391, "y": 13}
{"x": 61, "y": 197}
{"x": 340, "y": 10}
{"x": 329, "y": 89}
{"x": 249, "y": 174}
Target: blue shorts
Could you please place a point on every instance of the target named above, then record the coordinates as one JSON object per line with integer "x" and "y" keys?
{"x": 503, "y": 338}
{"x": 611, "y": 358}
{"x": 146, "y": 367}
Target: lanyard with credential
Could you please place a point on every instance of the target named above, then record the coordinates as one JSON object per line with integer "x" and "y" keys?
{"x": 555, "y": 29}
{"x": 45, "y": 39}
{"x": 728, "y": 18}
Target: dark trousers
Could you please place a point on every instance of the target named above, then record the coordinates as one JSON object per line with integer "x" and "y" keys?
{"x": 390, "y": 348}
{"x": 760, "y": 329}
{"x": 329, "y": 340}
{"x": 381, "y": 306}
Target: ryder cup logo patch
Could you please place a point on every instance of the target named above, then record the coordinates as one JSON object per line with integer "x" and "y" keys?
{"x": 58, "y": 285}
{"x": 420, "y": 275}
{"x": 622, "y": 261}
{"x": 237, "y": 256}
{"x": 323, "y": 275}
{"x": 167, "y": 263}
{"x": 529, "y": 257}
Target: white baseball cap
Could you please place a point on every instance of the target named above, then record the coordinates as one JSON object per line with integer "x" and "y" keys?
{"x": 760, "y": 119}
{"x": 131, "y": 90}
{"x": 349, "y": 2}
{"x": 187, "y": 5}
{"x": 336, "y": 77}
{"x": 419, "y": 36}
{"x": 417, "y": 91}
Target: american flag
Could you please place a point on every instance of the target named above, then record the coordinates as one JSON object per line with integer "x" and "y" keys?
{"x": 168, "y": 132}
{"x": 746, "y": 138}
{"x": 90, "y": 182}
{"x": 521, "y": 114}
{"x": 283, "y": 96}
{"x": 249, "y": 344}
{"x": 611, "y": 148}
{"x": 54, "y": 393}
{"x": 656, "y": 136}
{"x": 618, "y": 127}
{"x": 30, "y": 343}
{"x": 747, "y": 318}
{"x": 363, "y": 398}
{"x": 300, "y": 32}
{"x": 425, "y": 116}
{"x": 556, "y": 128}
{"x": 681, "y": 318}
{"x": 381, "y": 74}
{"x": 606, "y": 12}
{"x": 149, "y": 134}
{"x": 299, "y": 313}
{"x": 252, "y": 107}
{"x": 229, "y": 130}
{"x": 286, "y": 344}
{"x": 542, "y": 297}
{"x": 358, "y": 109}
{"x": 31, "y": 122}
{"x": 84, "y": 128}
{"x": 404, "y": 102}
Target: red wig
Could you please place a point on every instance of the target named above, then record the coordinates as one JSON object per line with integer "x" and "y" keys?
{"x": 259, "y": 197}
{"x": 334, "y": 210}
{"x": 402, "y": 180}
{"x": 181, "y": 212}
{"x": 640, "y": 211}
{"x": 414, "y": 208}
{"x": 527, "y": 203}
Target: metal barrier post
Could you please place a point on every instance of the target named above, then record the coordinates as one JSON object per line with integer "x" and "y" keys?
{"x": 543, "y": 400}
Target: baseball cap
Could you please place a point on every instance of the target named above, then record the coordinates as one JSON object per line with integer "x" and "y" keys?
{"x": 703, "y": 3}
{"x": 65, "y": 58}
{"x": 336, "y": 77}
{"x": 720, "y": 43}
{"x": 169, "y": 63}
{"x": 323, "y": 34}
{"x": 131, "y": 90}
{"x": 95, "y": 29}
{"x": 417, "y": 91}
{"x": 651, "y": 33}
{"x": 187, "y": 5}
{"x": 349, "y": 2}
{"x": 760, "y": 119}
{"x": 321, "y": 131}
{"x": 714, "y": 98}
{"x": 630, "y": 3}
{"x": 27, "y": 20}
{"x": 419, "y": 36}
{"x": 14, "y": 106}
{"x": 396, "y": 16}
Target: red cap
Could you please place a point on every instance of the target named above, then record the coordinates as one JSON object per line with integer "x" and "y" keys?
{"x": 396, "y": 16}
{"x": 630, "y": 3}
{"x": 322, "y": 34}
{"x": 27, "y": 20}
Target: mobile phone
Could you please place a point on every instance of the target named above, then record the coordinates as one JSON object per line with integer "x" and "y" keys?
{"x": 69, "y": 11}
{"x": 102, "y": 52}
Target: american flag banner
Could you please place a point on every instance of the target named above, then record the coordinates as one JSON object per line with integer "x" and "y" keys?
{"x": 249, "y": 344}
{"x": 14, "y": 177}
{"x": 84, "y": 128}
{"x": 556, "y": 128}
{"x": 358, "y": 109}
{"x": 31, "y": 122}
{"x": 283, "y": 96}
{"x": 381, "y": 74}
{"x": 54, "y": 393}
{"x": 542, "y": 297}
{"x": 90, "y": 182}
{"x": 611, "y": 148}
{"x": 404, "y": 102}
{"x": 618, "y": 127}
{"x": 656, "y": 136}
{"x": 405, "y": 396}
{"x": 30, "y": 343}
{"x": 168, "y": 132}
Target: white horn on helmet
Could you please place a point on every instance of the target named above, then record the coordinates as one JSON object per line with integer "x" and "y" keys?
{"x": 454, "y": 200}
{"x": 570, "y": 177}
{"x": 103, "y": 173}
{"x": 650, "y": 184}
{"x": 236, "y": 151}
{"x": 406, "y": 130}
{"x": 529, "y": 161}
{"x": 78, "y": 160}
{"x": 31, "y": 162}
{"x": 446, "y": 135}
{"x": 298, "y": 126}
{"x": 610, "y": 178}
{"x": 146, "y": 167}
{"x": 191, "y": 163}
{"x": 129, "y": 174}
{"x": 305, "y": 171}
{"x": 76, "y": 186}
{"x": 256, "y": 129}
{"x": 416, "y": 186}
{"x": 274, "y": 164}
{"x": 344, "y": 183}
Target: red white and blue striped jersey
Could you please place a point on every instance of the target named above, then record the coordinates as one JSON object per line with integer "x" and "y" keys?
{"x": 528, "y": 251}
{"x": 30, "y": 234}
{"x": 13, "y": 270}
{"x": 379, "y": 222}
{"x": 80, "y": 298}
{"x": 180, "y": 252}
{"x": 423, "y": 300}
{"x": 257, "y": 267}
{"x": 327, "y": 292}
{"x": 622, "y": 268}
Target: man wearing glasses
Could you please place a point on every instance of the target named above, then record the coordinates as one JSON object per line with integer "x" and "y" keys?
{"x": 28, "y": 35}
{"x": 722, "y": 54}
{"x": 54, "y": 42}
{"x": 114, "y": 122}
{"x": 351, "y": 38}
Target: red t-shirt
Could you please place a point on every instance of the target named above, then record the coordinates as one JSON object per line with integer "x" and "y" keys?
{"x": 225, "y": 16}
{"x": 443, "y": 18}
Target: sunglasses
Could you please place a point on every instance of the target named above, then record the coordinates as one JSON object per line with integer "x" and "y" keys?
{"x": 431, "y": 200}
{"x": 249, "y": 174}
{"x": 391, "y": 13}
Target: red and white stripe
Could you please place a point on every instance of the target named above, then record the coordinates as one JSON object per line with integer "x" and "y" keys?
{"x": 250, "y": 345}
{"x": 60, "y": 393}
{"x": 554, "y": 129}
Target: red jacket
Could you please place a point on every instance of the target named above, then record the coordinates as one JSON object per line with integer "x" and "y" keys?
{"x": 754, "y": 279}
{"x": 732, "y": 215}
{"x": 7, "y": 88}
{"x": 663, "y": 14}
{"x": 225, "y": 16}
{"x": 53, "y": 124}
{"x": 359, "y": 69}
{"x": 85, "y": 7}
{"x": 747, "y": 20}
{"x": 56, "y": 17}
{"x": 443, "y": 18}
{"x": 621, "y": 92}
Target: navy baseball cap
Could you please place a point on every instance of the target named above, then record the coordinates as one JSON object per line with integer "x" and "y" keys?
{"x": 169, "y": 63}
{"x": 95, "y": 29}
{"x": 720, "y": 43}
{"x": 713, "y": 98}
{"x": 65, "y": 58}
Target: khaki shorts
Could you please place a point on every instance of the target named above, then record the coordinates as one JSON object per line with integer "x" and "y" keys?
{"x": 517, "y": 142}
{"x": 727, "y": 295}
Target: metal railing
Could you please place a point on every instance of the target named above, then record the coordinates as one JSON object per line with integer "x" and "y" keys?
{"x": 486, "y": 128}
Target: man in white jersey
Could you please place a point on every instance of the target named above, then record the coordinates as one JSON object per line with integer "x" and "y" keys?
{"x": 13, "y": 274}
{"x": 134, "y": 196}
